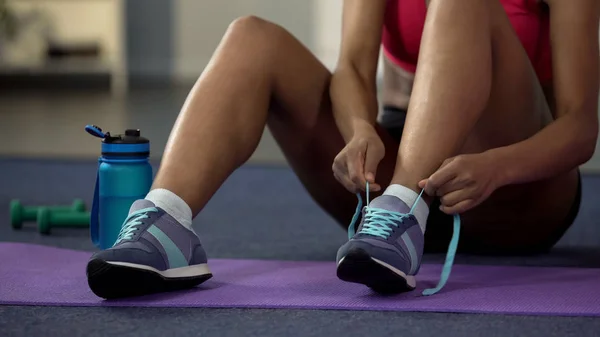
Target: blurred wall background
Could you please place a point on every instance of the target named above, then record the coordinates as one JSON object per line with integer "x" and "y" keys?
{"x": 176, "y": 38}
{"x": 137, "y": 43}
{"x": 197, "y": 26}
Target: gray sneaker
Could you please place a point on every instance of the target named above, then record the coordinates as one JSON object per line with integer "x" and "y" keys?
{"x": 385, "y": 253}
{"x": 154, "y": 253}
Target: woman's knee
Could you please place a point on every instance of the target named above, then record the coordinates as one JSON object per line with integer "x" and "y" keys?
{"x": 256, "y": 30}
{"x": 253, "y": 44}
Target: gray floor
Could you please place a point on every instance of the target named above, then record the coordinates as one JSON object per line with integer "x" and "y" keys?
{"x": 61, "y": 322}
{"x": 260, "y": 212}
{"x": 271, "y": 218}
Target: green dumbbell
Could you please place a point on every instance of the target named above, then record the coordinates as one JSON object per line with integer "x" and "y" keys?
{"x": 48, "y": 218}
{"x": 20, "y": 213}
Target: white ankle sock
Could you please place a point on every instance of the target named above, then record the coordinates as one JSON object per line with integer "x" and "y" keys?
{"x": 409, "y": 197}
{"x": 173, "y": 205}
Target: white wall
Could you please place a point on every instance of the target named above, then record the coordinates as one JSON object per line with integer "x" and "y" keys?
{"x": 327, "y": 30}
{"x": 200, "y": 24}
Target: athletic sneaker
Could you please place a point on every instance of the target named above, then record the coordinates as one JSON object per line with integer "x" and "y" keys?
{"x": 153, "y": 253}
{"x": 385, "y": 253}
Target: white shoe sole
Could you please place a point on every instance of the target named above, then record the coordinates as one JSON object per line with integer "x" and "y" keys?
{"x": 174, "y": 273}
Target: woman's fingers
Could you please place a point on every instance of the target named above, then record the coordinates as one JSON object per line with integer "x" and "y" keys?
{"x": 345, "y": 181}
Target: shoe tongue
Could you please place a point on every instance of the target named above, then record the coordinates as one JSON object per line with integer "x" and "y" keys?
{"x": 140, "y": 204}
{"x": 390, "y": 203}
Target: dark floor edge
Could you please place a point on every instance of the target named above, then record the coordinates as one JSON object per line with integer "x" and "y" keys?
{"x": 299, "y": 308}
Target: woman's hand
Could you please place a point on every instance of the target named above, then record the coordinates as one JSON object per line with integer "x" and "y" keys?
{"x": 463, "y": 182}
{"x": 357, "y": 163}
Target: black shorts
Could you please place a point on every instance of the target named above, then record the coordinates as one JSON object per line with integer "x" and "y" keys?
{"x": 439, "y": 224}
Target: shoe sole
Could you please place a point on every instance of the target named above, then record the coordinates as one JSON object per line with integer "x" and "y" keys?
{"x": 112, "y": 280}
{"x": 359, "y": 267}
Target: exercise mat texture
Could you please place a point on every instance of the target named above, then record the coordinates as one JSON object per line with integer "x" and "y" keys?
{"x": 41, "y": 275}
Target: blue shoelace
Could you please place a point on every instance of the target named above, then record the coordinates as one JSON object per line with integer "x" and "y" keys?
{"x": 378, "y": 223}
{"x": 133, "y": 221}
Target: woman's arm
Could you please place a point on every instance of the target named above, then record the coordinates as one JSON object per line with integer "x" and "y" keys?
{"x": 570, "y": 140}
{"x": 353, "y": 88}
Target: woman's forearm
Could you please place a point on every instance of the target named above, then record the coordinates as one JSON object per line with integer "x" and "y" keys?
{"x": 560, "y": 147}
{"x": 354, "y": 101}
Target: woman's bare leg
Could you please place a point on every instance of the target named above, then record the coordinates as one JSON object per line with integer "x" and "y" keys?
{"x": 475, "y": 89}
{"x": 259, "y": 75}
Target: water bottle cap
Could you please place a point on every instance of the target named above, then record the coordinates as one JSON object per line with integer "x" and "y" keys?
{"x": 129, "y": 144}
{"x": 131, "y": 136}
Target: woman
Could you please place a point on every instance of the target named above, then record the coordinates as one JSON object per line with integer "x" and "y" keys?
{"x": 492, "y": 124}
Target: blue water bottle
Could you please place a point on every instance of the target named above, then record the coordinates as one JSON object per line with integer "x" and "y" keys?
{"x": 124, "y": 175}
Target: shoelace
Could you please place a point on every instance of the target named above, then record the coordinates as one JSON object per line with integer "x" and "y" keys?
{"x": 378, "y": 223}
{"x": 133, "y": 221}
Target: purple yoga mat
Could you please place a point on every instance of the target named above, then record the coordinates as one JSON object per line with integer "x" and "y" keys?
{"x": 40, "y": 275}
